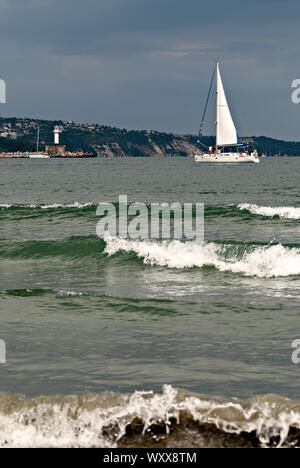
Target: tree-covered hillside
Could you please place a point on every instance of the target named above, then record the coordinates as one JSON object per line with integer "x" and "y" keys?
{"x": 21, "y": 134}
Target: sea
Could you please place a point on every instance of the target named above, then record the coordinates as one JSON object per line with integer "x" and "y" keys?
{"x": 120, "y": 342}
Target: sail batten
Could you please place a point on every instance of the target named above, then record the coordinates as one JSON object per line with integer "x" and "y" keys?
{"x": 225, "y": 130}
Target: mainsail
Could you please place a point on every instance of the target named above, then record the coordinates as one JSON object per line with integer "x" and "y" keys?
{"x": 225, "y": 129}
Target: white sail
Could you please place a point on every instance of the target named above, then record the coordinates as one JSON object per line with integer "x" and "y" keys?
{"x": 225, "y": 129}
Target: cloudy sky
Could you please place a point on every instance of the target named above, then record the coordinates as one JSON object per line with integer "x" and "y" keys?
{"x": 146, "y": 64}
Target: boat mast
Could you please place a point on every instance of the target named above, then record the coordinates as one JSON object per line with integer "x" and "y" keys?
{"x": 37, "y": 139}
{"x": 205, "y": 107}
{"x": 217, "y": 107}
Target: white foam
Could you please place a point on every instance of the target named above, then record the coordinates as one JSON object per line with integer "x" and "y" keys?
{"x": 68, "y": 205}
{"x": 264, "y": 262}
{"x": 101, "y": 420}
{"x": 69, "y": 293}
{"x": 53, "y": 205}
{"x": 288, "y": 212}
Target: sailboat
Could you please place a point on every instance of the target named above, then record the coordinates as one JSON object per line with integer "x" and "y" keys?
{"x": 227, "y": 148}
{"x": 38, "y": 154}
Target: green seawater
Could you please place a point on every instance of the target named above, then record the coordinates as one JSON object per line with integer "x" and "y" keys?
{"x": 81, "y": 314}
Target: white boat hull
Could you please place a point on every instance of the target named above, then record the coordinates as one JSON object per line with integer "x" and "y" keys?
{"x": 39, "y": 156}
{"x": 227, "y": 158}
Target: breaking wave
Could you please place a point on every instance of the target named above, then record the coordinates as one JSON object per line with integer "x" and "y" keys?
{"x": 250, "y": 260}
{"x": 173, "y": 418}
{"x": 246, "y": 258}
{"x": 288, "y": 212}
{"x": 244, "y": 211}
{"x": 48, "y": 206}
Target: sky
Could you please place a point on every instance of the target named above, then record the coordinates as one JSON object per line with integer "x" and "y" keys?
{"x": 147, "y": 64}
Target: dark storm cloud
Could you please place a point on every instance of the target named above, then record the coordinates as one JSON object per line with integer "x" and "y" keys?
{"x": 146, "y": 63}
{"x": 70, "y": 25}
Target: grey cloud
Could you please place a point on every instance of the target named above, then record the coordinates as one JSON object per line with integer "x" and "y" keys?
{"x": 147, "y": 63}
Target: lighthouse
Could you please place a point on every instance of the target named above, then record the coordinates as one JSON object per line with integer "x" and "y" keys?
{"x": 56, "y": 149}
{"x": 56, "y": 132}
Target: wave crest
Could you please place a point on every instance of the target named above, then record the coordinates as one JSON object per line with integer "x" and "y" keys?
{"x": 288, "y": 212}
{"x": 262, "y": 261}
{"x": 47, "y": 206}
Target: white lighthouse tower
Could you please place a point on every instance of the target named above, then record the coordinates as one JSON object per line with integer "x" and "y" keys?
{"x": 56, "y": 150}
{"x": 56, "y": 132}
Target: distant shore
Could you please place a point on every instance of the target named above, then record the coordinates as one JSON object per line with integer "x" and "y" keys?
{"x": 26, "y": 155}
{"x": 19, "y": 136}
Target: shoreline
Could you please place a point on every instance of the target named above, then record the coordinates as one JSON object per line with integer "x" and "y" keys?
{"x": 44, "y": 156}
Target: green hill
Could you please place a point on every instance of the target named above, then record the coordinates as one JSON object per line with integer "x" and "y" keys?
{"x": 20, "y": 135}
